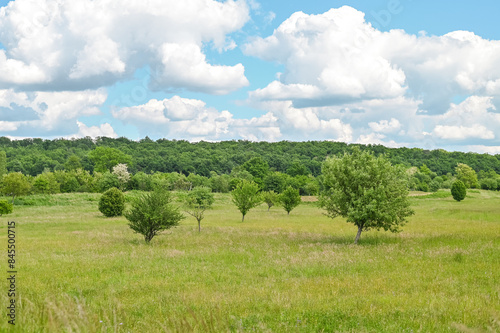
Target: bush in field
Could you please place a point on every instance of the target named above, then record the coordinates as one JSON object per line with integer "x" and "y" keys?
{"x": 15, "y": 184}
{"x": 152, "y": 213}
{"x": 458, "y": 190}
{"x": 198, "y": 200}
{"x": 245, "y": 196}
{"x": 271, "y": 198}
{"x": 5, "y": 207}
{"x": 289, "y": 199}
{"x": 112, "y": 202}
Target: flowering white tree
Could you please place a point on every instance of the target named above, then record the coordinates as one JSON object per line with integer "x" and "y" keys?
{"x": 121, "y": 172}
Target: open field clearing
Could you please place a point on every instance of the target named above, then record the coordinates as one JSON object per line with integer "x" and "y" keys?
{"x": 81, "y": 272}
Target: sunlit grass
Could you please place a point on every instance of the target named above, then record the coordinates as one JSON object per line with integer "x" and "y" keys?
{"x": 81, "y": 272}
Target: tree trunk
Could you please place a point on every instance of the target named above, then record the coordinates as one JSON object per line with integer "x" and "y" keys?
{"x": 360, "y": 229}
{"x": 242, "y": 217}
{"x": 199, "y": 226}
{"x": 13, "y": 199}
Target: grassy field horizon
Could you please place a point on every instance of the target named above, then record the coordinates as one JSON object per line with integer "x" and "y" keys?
{"x": 81, "y": 272}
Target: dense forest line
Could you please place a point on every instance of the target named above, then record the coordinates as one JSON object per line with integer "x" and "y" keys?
{"x": 34, "y": 156}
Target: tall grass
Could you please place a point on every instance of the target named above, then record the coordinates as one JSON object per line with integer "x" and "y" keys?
{"x": 81, "y": 272}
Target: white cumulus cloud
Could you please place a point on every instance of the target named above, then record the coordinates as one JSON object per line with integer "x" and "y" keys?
{"x": 94, "y": 131}
{"x": 191, "y": 119}
{"x": 49, "y": 114}
{"x": 77, "y": 45}
{"x": 337, "y": 57}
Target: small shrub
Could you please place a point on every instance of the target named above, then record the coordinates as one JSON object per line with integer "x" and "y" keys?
{"x": 458, "y": 190}
{"x": 153, "y": 212}
{"x": 198, "y": 201}
{"x": 271, "y": 198}
{"x": 289, "y": 199}
{"x": 245, "y": 196}
{"x": 5, "y": 207}
{"x": 112, "y": 202}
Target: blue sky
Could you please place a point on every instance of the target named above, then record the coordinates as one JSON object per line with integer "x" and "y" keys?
{"x": 400, "y": 73}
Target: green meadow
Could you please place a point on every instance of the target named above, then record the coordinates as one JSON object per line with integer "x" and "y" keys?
{"x": 81, "y": 272}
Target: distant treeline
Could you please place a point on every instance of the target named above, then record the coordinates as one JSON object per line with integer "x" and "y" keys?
{"x": 34, "y": 156}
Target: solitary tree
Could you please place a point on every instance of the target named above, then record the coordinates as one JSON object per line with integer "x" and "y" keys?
{"x": 198, "y": 200}
{"x": 366, "y": 190}
{"x": 271, "y": 198}
{"x": 458, "y": 190}
{"x": 15, "y": 184}
{"x": 289, "y": 199}
{"x": 245, "y": 197}
{"x": 153, "y": 212}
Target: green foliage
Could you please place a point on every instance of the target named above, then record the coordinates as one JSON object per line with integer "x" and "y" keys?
{"x": 153, "y": 212}
{"x": 489, "y": 184}
{"x": 33, "y": 156}
{"x": 46, "y": 183}
{"x": 434, "y": 186}
{"x": 467, "y": 175}
{"x": 366, "y": 190}
{"x": 245, "y": 196}
{"x": 15, "y": 184}
{"x": 257, "y": 167}
{"x": 220, "y": 183}
{"x": 270, "y": 198}
{"x": 73, "y": 163}
{"x": 112, "y": 202}
{"x": 107, "y": 181}
{"x": 105, "y": 158}
{"x": 297, "y": 169}
{"x": 140, "y": 181}
{"x": 197, "y": 180}
{"x": 275, "y": 181}
{"x": 198, "y": 200}
{"x": 425, "y": 170}
{"x": 3, "y": 164}
{"x": 289, "y": 199}
{"x": 458, "y": 190}
{"x": 5, "y": 207}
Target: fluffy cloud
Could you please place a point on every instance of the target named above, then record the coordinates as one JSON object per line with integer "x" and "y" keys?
{"x": 314, "y": 123}
{"x": 330, "y": 58}
{"x": 78, "y": 45}
{"x": 385, "y": 126}
{"x": 51, "y": 114}
{"x": 190, "y": 119}
{"x": 473, "y": 118}
{"x": 462, "y": 132}
{"x": 337, "y": 57}
{"x": 94, "y": 131}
